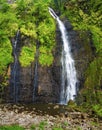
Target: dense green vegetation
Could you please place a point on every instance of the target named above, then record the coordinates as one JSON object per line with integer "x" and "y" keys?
{"x": 33, "y": 20}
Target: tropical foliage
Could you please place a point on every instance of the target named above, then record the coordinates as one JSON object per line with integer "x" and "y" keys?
{"x": 31, "y": 17}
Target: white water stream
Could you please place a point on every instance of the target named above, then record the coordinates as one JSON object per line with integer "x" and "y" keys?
{"x": 69, "y": 79}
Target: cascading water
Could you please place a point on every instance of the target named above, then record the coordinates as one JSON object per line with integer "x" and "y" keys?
{"x": 14, "y": 71}
{"x": 35, "y": 74}
{"x": 35, "y": 80}
{"x": 68, "y": 76}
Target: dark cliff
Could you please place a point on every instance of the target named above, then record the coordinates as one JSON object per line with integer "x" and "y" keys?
{"x": 49, "y": 78}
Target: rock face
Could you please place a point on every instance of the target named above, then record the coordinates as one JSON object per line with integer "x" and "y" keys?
{"x": 20, "y": 78}
{"x": 49, "y": 78}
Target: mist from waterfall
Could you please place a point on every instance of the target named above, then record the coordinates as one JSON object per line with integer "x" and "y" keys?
{"x": 68, "y": 75}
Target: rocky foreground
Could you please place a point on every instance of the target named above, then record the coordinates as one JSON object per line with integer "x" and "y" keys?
{"x": 48, "y": 117}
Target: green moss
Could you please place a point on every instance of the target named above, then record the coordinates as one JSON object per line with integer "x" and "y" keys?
{"x": 46, "y": 59}
{"x": 94, "y": 73}
{"x": 27, "y": 55}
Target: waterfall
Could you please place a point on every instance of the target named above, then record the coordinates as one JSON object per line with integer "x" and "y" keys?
{"x": 35, "y": 80}
{"x": 68, "y": 76}
{"x": 14, "y": 71}
{"x": 35, "y": 88}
